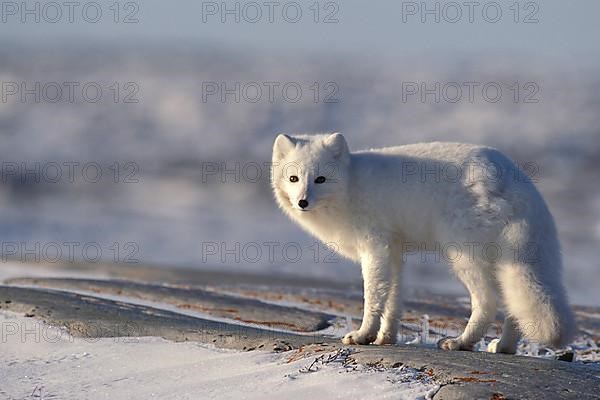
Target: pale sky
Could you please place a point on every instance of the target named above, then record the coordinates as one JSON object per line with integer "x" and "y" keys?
{"x": 565, "y": 31}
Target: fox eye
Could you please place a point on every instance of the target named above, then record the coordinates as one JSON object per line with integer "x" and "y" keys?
{"x": 294, "y": 179}
{"x": 320, "y": 179}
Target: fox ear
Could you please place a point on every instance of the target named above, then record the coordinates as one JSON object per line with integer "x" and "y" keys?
{"x": 337, "y": 144}
{"x": 283, "y": 144}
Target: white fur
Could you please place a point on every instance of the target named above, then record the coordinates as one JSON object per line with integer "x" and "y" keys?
{"x": 373, "y": 204}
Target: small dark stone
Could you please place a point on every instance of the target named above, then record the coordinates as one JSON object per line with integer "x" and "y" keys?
{"x": 568, "y": 356}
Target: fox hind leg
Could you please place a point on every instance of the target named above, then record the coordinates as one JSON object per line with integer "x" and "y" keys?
{"x": 509, "y": 340}
{"x": 478, "y": 280}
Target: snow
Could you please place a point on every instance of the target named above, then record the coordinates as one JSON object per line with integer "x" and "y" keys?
{"x": 40, "y": 361}
{"x": 15, "y": 269}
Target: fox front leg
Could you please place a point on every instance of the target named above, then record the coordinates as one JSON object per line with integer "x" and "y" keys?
{"x": 376, "y": 271}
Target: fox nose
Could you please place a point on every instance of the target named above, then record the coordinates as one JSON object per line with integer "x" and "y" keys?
{"x": 303, "y": 203}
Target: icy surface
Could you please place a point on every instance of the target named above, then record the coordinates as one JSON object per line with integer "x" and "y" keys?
{"x": 44, "y": 362}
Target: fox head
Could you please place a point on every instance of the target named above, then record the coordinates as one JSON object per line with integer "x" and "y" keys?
{"x": 309, "y": 172}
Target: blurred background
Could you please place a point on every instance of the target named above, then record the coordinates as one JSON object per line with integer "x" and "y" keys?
{"x": 142, "y": 131}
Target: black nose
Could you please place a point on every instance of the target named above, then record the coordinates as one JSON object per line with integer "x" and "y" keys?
{"x": 303, "y": 203}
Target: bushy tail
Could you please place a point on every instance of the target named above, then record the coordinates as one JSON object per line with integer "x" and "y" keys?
{"x": 539, "y": 306}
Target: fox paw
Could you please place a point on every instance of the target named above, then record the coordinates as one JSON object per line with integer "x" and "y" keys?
{"x": 386, "y": 338}
{"x": 496, "y": 346}
{"x": 493, "y": 346}
{"x": 453, "y": 344}
{"x": 358, "y": 337}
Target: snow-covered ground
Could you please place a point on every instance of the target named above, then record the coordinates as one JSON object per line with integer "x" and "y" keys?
{"x": 44, "y": 362}
{"x": 420, "y": 334}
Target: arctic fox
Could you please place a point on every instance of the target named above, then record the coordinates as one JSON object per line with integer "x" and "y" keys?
{"x": 376, "y": 204}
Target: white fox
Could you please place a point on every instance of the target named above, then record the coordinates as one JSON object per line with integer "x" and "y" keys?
{"x": 374, "y": 203}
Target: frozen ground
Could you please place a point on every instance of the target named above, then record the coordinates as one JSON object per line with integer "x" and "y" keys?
{"x": 44, "y": 362}
{"x": 140, "y": 332}
{"x": 424, "y": 325}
